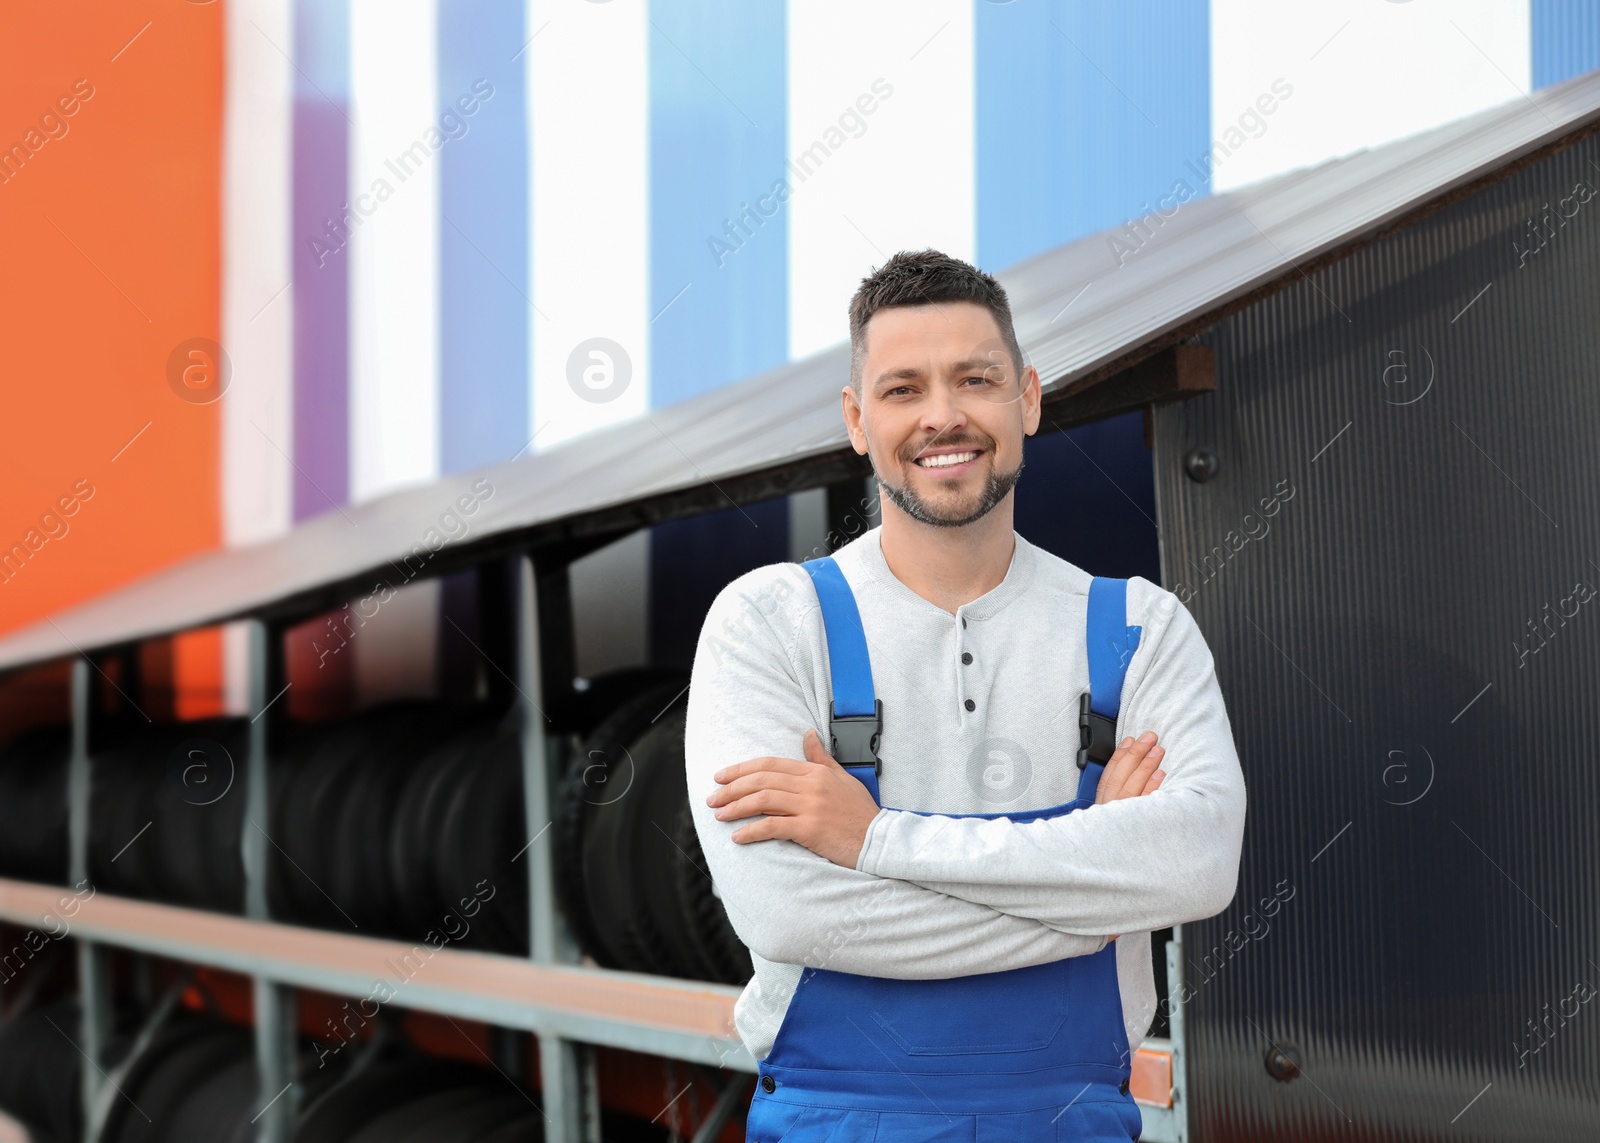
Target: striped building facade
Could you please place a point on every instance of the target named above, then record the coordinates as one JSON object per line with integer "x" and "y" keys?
{"x": 444, "y": 233}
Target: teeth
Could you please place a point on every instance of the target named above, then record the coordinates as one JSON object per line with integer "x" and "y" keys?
{"x": 944, "y": 460}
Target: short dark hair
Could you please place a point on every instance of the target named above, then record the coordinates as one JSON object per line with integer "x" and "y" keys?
{"x": 925, "y": 278}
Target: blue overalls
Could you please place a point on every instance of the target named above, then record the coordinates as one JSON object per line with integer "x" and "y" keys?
{"x": 1021, "y": 1056}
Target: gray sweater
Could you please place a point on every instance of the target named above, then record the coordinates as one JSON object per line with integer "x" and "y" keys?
{"x": 935, "y": 896}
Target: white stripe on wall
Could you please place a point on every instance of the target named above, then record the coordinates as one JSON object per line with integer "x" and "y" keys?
{"x": 1360, "y": 74}
{"x": 257, "y": 303}
{"x": 394, "y": 311}
{"x": 868, "y": 183}
{"x": 588, "y": 94}
{"x": 257, "y": 298}
{"x": 394, "y": 181}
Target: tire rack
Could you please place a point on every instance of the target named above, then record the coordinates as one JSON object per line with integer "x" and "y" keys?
{"x": 567, "y": 1006}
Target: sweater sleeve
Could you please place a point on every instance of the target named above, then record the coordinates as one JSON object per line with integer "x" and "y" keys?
{"x": 787, "y": 904}
{"x": 1133, "y": 865}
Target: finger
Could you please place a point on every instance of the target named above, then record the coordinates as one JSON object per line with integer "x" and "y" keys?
{"x": 1154, "y": 783}
{"x": 1123, "y": 761}
{"x": 765, "y": 830}
{"x": 1142, "y": 771}
{"x": 750, "y": 783}
{"x": 815, "y": 751}
{"x": 1130, "y": 754}
{"x": 1113, "y": 770}
{"x": 755, "y": 765}
{"x": 779, "y": 802}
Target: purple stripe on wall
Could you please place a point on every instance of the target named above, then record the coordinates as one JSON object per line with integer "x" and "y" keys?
{"x": 320, "y": 259}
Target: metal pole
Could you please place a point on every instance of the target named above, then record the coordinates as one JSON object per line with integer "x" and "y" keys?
{"x": 274, "y": 1003}
{"x": 1180, "y": 1049}
{"x": 571, "y": 1097}
{"x": 275, "y": 1012}
{"x": 78, "y": 777}
{"x": 94, "y": 997}
{"x": 535, "y": 768}
{"x": 734, "y": 1095}
{"x": 253, "y": 833}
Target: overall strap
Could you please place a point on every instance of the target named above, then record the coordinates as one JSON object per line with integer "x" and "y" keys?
{"x": 857, "y": 714}
{"x": 1111, "y": 644}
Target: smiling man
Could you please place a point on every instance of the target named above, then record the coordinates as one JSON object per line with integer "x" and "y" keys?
{"x": 925, "y": 772}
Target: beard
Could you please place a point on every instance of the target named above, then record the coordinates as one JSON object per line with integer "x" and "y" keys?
{"x": 995, "y": 488}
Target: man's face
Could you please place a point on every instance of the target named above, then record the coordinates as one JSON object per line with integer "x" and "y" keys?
{"x": 941, "y": 412}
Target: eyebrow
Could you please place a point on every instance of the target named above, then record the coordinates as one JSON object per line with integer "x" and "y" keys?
{"x": 912, "y": 373}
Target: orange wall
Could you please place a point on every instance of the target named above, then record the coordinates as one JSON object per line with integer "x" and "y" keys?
{"x": 111, "y": 240}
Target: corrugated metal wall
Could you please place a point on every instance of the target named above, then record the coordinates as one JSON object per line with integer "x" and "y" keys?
{"x": 1396, "y": 568}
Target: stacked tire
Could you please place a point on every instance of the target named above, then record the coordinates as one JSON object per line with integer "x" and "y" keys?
{"x": 39, "y": 1072}
{"x": 421, "y": 1101}
{"x": 458, "y": 831}
{"x": 404, "y": 821}
{"x": 196, "y": 1082}
{"x": 630, "y": 875}
{"x": 166, "y": 806}
{"x": 33, "y": 806}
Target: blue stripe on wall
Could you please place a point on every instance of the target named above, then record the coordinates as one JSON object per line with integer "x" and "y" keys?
{"x": 718, "y": 268}
{"x": 484, "y": 286}
{"x": 485, "y": 295}
{"x": 1084, "y": 113}
{"x": 718, "y": 235}
{"x": 1566, "y": 39}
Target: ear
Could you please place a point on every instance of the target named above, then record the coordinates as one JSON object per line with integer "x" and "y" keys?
{"x": 850, "y": 406}
{"x": 1032, "y": 401}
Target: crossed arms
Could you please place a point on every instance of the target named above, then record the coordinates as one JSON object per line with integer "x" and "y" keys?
{"x": 813, "y": 873}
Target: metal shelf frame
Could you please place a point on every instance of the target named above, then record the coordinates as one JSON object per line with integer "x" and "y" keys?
{"x": 681, "y": 1019}
{"x": 570, "y": 1008}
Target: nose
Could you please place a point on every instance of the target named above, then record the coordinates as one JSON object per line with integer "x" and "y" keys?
{"x": 942, "y": 414}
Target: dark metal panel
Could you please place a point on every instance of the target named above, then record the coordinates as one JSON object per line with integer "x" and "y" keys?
{"x": 1397, "y": 568}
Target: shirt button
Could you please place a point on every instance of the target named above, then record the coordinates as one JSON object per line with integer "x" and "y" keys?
{"x": 768, "y": 1084}
{"x": 971, "y": 705}
{"x": 966, "y": 656}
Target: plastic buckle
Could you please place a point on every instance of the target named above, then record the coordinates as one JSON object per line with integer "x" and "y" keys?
{"x": 1097, "y": 735}
{"x": 855, "y": 738}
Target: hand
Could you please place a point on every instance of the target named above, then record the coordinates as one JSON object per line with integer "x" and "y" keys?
{"x": 815, "y": 802}
{"x": 1131, "y": 771}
